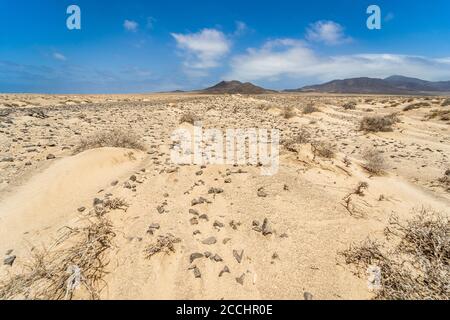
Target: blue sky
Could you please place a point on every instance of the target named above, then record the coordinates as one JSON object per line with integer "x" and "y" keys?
{"x": 146, "y": 46}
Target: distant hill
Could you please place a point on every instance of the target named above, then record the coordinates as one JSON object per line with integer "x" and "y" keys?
{"x": 390, "y": 85}
{"x": 233, "y": 87}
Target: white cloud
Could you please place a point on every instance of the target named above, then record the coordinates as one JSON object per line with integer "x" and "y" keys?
{"x": 130, "y": 25}
{"x": 291, "y": 59}
{"x": 59, "y": 56}
{"x": 203, "y": 49}
{"x": 328, "y": 32}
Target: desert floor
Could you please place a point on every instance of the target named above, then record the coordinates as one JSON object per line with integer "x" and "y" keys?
{"x": 47, "y": 188}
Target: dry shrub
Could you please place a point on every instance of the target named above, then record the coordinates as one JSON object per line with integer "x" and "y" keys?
{"x": 299, "y": 138}
{"x": 310, "y": 108}
{"x": 189, "y": 117}
{"x": 446, "y": 102}
{"x": 323, "y": 149}
{"x": 378, "y": 123}
{"x": 349, "y": 105}
{"x": 374, "y": 161}
{"x": 288, "y": 113}
{"x": 116, "y": 204}
{"x": 417, "y": 268}
{"x": 77, "y": 260}
{"x": 445, "y": 180}
{"x": 443, "y": 115}
{"x": 115, "y": 138}
{"x": 163, "y": 244}
{"x": 416, "y": 106}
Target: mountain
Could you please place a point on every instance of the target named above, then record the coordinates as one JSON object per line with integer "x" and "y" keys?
{"x": 233, "y": 87}
{"x": 390, "y": 85}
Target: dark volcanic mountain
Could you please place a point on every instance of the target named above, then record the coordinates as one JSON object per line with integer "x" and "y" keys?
{"x": 233, "y": 87}
{"x": 390, "y": 85}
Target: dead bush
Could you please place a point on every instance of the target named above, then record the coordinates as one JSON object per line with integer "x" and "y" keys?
{"x": 163, "y": 244}
{"x": 349, "y": 105}
{"x": 416, "y": 106}
{"x": 446, "y": 102}
{"x": 417, "y": 266}
{"x": 443, "y": 115}
{"x": 289, "y": 113}
{"x": 189, "y": 117}
{"x": 115, "y": 138}
{"x": 323, "y": 149}
{"x": 77, "y": 260}
{"x": 374, "y": 161}
{"x": 310, "y": 108}
{"x": 378, "y": 123}
{"x": 299, "y": 138}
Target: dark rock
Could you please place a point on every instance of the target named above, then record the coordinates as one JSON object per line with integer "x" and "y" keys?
{"x": 98, "y": 201}
{"x": 196, "y": 232}
{"x": 226, "y": 240}
{"x": 50, "y": 156}
{"x": 194, "y": 256}
{"x": 208, "y": 254}
{"x": 160, "y": 209}
{"x": 215, "y": 190}
{"x": 81, "y": 209}
{"x": 307, "y": 296}
{"x": 9, "y": 260}
{"x": 204, "y": 217}
{"x": 194, "y": 212}
{"x": 224, "y": 270}
{"x": 193, "y": 221}
{"x": 217, "y": 258}
{"x": 197, "y": 273}
{"x": 240, "y": 280}
{"x": 218, "y": 224}
{"x": 209, "y": 241}
{"x": 133, "y": 178}
{"x": 238, "y": 256}
{"x": 114, "y": 183}
{"x": 261, "y": 193}
{"x": 266, "y": 229}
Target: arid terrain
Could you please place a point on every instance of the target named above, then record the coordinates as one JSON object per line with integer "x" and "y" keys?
{"x": 92, "y": 207}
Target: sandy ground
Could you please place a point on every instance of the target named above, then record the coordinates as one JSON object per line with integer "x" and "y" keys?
{"x": 44, "y": 187}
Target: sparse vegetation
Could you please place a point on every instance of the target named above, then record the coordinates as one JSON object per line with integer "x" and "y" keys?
{"x": 310, "y": 108}
{"x": 115, "y": 138}
{"x": 189, "y": 117}
{"x": 323, "y": 149}
{"x": 443, "y": 115}
{"x": 349, "y": 105}
{"x": 374, "y": 161}
{"x": 289, "y": 112}
{"x": 56, "y": 274}
{"x": 378, "y": 123}
{"x": 163, "y": 244}
{"x": 446, "y": 102}
{"x": 418, "y": 266}
{"x": 417, "y": 105}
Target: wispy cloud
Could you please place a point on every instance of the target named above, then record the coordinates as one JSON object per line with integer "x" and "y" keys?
{"x": 202, "y": 50}
{"x": 130, "y": 25}
{"x": 293, "y": 59}
{"x": 59, "y": 56}
{"x": 241, "y": 28}
{"x": 328, "y": 32}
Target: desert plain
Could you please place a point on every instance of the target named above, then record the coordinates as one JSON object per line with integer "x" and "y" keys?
{"x": 92, "y": 207}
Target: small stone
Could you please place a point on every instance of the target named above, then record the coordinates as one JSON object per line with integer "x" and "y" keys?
{"x": 194, "y": 212}
{"x": 204, "y": 217}
{"x": 194, "y": 256}
{"x": 224, "y": 270}
{"x": 261, "y": 193}
{"x": 234, "y": 225}
{"x": 155, "y": 226}
{"x": 307, "y": 296}
{"x": 240, "y": 280}
{"x": 50, "y": 156}
{"x": 161, "y": 209}
{"x": 208, "y": 254}
{"x": 266, "y": 230}
{"x": 226, "y": 240}
{"x": 197, "y": 273}
{"x": 209, "y": 241}
{"x": 9, "y": 260}
{"x": 217, "y": 258}
{"x": 255, "y": 223}
{"x": 238, "y": 256}
{"x": 227, "y": 180}
{"x": 97, "y": 201}
{"x": 215, "y": 190}
{"x": 199, "y": 173}
{"x": 114, "y": 183}
{"x": 193, "y": 221}
{"x": 218, "y": 224}
{"x": 196, "y": 232}
{"x": 133, "y": 178}
{"x": 81, "y": 209}
{"x": 275, "y": 256}
{"x": 284, "y": 235}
